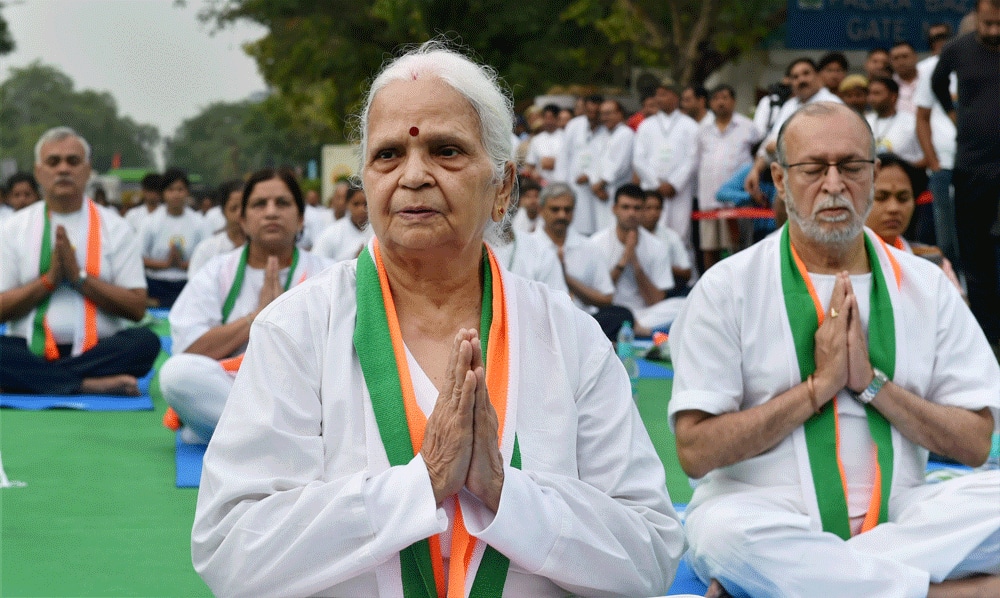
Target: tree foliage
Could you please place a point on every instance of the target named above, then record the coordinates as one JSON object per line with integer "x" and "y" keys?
{"x": 319, "y": 55}
{"x": 38, "y": 97}
{"x": 6, "y": 40}
{"x": 229, "y": 140}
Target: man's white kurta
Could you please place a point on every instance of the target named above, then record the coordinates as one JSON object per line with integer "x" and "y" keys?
{"x": 720, "y": 154}
{"x": 530, "y": 257}
{"x": 732, "y": 349}
{"x": 579, "y": 153}
{"x": 665, "y": 152}
{"x": 613, "y": 166}
{"x": 581, "y": 262}
{"x": 297, "y": 496}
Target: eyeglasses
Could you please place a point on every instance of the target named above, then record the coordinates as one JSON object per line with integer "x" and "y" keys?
{"x": 853, "y": 169}
{"x": 71, "y": 160}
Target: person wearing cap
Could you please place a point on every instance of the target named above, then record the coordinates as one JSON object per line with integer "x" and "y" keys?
{"x": 853, "y": 91}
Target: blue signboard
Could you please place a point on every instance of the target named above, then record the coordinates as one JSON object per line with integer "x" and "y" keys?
{"x": 868, "y": 24}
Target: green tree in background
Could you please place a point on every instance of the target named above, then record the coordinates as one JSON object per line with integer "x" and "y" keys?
{"x": 319, "y": 55}
{"x": 6, "y": 41}
{"x": 38, "y": 97}
{"x": 229, "y": 140}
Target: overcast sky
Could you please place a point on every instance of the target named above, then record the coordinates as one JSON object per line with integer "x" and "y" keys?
{"x": 161, "y": 64}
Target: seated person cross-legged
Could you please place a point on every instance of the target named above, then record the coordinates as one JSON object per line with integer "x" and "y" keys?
{"x": 70, "y": 281}
{"x": 420, "y": 421}
{"x": 210, "y": 323}
{"x": 813, "y": 373}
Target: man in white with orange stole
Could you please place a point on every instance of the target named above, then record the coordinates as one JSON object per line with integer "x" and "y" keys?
{"x": 814, "y": 371}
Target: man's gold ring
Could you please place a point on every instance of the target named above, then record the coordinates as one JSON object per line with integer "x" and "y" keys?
{"x": 833, "y": 313}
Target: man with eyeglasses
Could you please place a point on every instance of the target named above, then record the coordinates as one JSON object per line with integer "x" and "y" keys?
{"x": 813, "y": 372}
{"x": 71, "y": 279}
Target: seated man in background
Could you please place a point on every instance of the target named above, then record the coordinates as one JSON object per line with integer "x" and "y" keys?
{"x": 168, "y": 239}
{"x": 680, "y": 259}
{"x": 586, "y": 276}
{"x": 638, "y": 263}
{"x": 814, "y": 371}
{"x": 70, "y": 279}
{"x": 344, "y": 239}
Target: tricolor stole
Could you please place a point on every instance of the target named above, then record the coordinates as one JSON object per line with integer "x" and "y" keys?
{"x": 42, "y": 341}
{"x": 822, "y": 430}
{"x": 379, "y": 344}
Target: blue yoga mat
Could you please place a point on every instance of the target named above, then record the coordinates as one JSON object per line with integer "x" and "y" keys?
{"x": 167, "y": 344}
{"x": 83, "y": 402}
{"x": 686, "y": 582}
{"x": 188, "y": 460}
{"x": 160, "y": 313}
{"x": 648, "y": 369}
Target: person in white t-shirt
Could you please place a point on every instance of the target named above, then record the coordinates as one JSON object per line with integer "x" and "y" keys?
{"x": 317, "y": 219}
{"x": 903, "y": 58}
{"x": 210, "y": 323}
{"x": 526, "y": 218}
{"x": 71, "y": 283}
{"x": 344, "y": 239}
{"x": 677, "y": 253}
{"x": 168, "y": 239}
{"x": 229, "y": 238}
{"x": 638, "y": 262}
{"x": 546, "y": 147}
{"x": 895, "y": 131}
{"x": 151, "y": 193}
{"x": 936, "y": 134}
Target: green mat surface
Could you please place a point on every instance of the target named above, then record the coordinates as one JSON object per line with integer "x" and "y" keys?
{"x": 100, "y": 515}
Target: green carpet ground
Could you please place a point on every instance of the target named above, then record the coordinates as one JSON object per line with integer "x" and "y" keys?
{"x": 100, "y": 515}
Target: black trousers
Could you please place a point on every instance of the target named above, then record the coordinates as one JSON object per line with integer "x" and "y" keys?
{"x": 130, "y": 352}
{"x": 164, "y": 291}
{"x": 977, "y": 195}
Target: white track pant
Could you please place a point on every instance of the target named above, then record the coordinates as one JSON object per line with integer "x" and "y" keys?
{"x": 762, "y": 543}
{"x": 197, "y": 388}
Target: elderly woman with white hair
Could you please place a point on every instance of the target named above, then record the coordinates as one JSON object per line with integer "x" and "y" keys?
{"x": 419, "y": 422}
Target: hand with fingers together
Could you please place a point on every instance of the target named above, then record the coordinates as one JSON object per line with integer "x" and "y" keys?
{"x": 485, "y": 477}
{"x": 64, "y": 255}
{"x": 859, "y": 367}
{"x": 831, "y": 353}
{"x": 450, "y": 434}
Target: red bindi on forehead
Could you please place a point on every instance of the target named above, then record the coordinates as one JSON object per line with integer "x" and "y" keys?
{"x": 414, "y": 131}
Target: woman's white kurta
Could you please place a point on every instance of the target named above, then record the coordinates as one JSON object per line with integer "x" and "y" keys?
{"x": 297, "y": 496}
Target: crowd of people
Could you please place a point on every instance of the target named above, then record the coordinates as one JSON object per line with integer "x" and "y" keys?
{"x": 616, "y": 217}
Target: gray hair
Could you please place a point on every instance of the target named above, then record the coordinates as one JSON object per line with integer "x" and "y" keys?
{"x": 555, "y": 190}
{"x": 479, "y": 84}
{"x": 818, "y": 109}
{"x": 58, "y": 134}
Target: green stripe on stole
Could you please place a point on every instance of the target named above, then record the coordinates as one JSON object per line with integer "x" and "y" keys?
{"x": 378, "y": 365}
{"x": 820, "y": 429}
{"x": 37, "y": 345}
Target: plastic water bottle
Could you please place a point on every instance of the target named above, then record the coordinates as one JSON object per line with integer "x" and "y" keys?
{"x": 626, "y": 352}
{"x": 993, "y": 461}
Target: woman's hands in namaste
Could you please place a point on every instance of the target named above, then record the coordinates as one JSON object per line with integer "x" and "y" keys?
{"x": 460, "y": 443}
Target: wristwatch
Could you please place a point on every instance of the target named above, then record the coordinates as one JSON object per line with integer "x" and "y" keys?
{"x": 82, "y": 279}
{"x": 865, "y": 396}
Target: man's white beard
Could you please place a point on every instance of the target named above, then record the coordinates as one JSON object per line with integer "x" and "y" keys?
{"x": 813, "y": 227}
